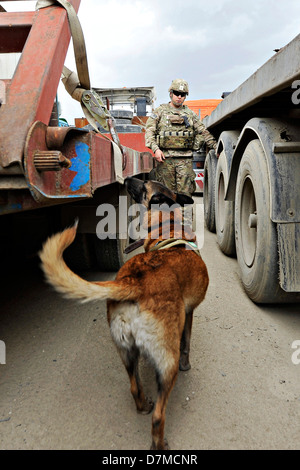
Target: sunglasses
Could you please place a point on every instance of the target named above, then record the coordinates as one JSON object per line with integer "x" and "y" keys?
{"x": 179, "y": 93}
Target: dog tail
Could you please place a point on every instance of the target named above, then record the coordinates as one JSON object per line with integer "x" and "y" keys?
{"x": 67, "y": 282}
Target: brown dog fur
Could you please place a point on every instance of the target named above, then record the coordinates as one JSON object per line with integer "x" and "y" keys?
{"x": 151, "y": 301}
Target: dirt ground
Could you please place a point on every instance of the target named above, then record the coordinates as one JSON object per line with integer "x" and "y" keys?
{"x": 63, "y": 385}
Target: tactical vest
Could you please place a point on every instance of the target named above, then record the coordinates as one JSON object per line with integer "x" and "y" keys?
{"x": 175, "y": 130}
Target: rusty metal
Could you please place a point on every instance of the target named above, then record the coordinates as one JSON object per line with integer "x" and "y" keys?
{"x": 14, "y": 30}
{"x": 12, "y": 201}
{"x": 72, "y": 181}
{"x": 33, "y": 89}
{"x": 13, "y": 182}
{"x": 55, "y": 136}
{"x": 102, "y": 166}
{"x": 11, "y": 170}
{"x": 43, "y": 165}
{"x": 78, "y": 181}
{"x": 50, "y": 160}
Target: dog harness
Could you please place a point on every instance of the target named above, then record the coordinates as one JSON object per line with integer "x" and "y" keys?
{"x": 162, "y": 244}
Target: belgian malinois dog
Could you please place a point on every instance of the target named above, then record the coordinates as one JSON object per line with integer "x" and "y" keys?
{"x": 150, "y": 303}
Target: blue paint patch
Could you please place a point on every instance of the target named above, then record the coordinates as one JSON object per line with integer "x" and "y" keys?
{"x": 15, "y": 207}
{"x": 80, "y": 164}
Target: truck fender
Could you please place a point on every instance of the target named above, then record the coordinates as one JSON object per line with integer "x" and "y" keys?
{"x": 224, "y": 210}
{"x": 280, "y": 140}
{"x": 227, "y": 142}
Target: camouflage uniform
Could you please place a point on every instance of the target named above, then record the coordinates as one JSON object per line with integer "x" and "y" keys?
{"x": 177, "y": 132}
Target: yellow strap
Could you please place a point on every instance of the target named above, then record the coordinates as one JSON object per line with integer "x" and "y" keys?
{"x": 78, "y": 83}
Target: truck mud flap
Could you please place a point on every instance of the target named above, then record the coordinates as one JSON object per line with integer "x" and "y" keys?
{"x": 289, "y": 256}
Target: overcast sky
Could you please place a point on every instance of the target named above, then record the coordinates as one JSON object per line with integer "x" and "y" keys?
{"x": 213, "y": 44}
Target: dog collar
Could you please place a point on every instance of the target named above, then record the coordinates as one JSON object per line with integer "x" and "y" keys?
{"x": 133, "y": 246}
{"x": 175, "y": 242}
{"x": 163, "y": 244}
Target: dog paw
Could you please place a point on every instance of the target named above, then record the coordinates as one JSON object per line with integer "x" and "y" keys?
{"x": 147, "y": 406}
{"x": 163, "y": 446}
{"x": 184, "y": 364}
{"x": 166, "y": 445}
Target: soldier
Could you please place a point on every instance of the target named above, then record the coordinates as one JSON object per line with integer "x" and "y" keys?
{"x": 172, "y": 133}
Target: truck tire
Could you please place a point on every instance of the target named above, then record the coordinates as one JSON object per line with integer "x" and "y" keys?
{"x": 256, "y": 235}
{"x": 224, "y": 210}
{"x": 210, "y": 167}
{"x": 80, "y": 255}
{"x": 109, "y": 254}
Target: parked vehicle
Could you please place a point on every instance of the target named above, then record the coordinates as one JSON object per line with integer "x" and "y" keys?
{"x": 251, "y": 187}
{"x": 50, "y": 174}
{"x": 202, "y": 108}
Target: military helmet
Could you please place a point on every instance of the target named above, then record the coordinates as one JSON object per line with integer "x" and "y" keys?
{"x": 179, "y": 85}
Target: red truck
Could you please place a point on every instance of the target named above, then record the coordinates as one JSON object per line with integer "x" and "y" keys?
{"x": 202, "y": 108}
{"x": 50, "y": 174}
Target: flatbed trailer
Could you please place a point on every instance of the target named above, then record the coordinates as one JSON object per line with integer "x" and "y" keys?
{"x": 251, "y": 184}
{"x": 50, "y": 173}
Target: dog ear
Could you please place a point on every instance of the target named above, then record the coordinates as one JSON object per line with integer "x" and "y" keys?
{"x": 161, "y": 198}
{"x": 183, "y": 199}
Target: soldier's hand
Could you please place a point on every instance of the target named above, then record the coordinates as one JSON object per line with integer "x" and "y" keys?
{"x": 159, "y": 156}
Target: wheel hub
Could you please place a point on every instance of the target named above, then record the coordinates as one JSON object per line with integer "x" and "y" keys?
{"x": 248, "y": 222}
